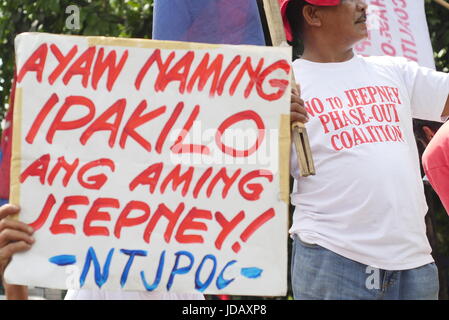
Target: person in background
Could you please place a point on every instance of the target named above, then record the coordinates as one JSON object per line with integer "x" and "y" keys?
{"x": 424, "y": 131}
{"x": 436, "y": 164}
{"x": 436, "y": 215}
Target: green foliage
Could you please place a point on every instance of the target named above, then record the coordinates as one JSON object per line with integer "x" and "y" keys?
{"x": 438, "y": 21}
{"x": 118, "y": 18}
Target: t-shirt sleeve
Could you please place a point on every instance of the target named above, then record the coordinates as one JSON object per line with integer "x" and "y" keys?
{"x": 428, "y": 90}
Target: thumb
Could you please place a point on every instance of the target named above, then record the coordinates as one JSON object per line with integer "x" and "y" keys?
{"x": 7, "y": 210}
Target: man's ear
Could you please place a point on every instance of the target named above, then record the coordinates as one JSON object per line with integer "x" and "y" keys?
{"x": 429, "y": 133}
{"x": 311, "y": 16}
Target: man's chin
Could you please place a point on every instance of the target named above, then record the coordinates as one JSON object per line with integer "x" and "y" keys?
{"x": 362, "y": 34}
{"x": 363, "y": 29}
{"x": 359, "y": 38}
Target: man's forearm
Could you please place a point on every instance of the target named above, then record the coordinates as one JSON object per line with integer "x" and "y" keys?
{"x": 15, "y": 292}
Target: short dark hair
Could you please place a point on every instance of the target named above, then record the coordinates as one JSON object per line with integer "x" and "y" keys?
{"x": 296, "y": 20}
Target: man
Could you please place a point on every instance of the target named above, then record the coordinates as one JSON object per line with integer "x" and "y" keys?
{"x": 436, "y": 164}
{"x": 358, "y": 226}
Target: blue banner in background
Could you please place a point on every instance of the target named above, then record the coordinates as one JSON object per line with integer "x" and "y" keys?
{"x": 208, "y": 21}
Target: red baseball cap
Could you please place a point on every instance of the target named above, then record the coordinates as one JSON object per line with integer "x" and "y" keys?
{"x": 283, "y": 4}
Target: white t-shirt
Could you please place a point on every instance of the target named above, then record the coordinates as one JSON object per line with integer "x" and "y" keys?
{"x": 366, "y": 201}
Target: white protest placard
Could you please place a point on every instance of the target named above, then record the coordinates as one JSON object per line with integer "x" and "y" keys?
{"x": 149, "y": 165}
{"x": 398, "y": 28}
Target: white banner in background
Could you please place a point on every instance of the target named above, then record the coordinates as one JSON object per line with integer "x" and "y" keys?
{"x": 398, "y": 28}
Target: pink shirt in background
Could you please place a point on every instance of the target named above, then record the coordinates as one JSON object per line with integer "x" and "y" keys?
{"x": 436, "y": 163}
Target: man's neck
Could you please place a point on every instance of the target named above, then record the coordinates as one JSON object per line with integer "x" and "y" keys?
{"x": 327, "y": 56}
{"x": 325, "y": 50}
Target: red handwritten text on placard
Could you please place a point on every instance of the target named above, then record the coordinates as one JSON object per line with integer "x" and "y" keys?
{"x": 96, "y": 106}
{"x": 91, "y": 65}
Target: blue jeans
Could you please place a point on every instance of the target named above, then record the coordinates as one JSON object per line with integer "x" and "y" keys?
{"x": 318, "y": 273}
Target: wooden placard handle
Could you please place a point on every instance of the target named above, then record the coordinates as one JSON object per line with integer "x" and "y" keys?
{"x": 299, "y": 132}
